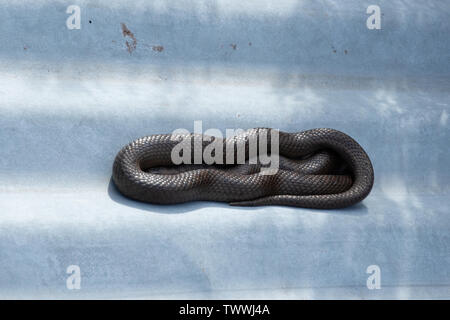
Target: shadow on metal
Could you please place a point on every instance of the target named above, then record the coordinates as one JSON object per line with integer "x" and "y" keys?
{"x": 358, "y": 209}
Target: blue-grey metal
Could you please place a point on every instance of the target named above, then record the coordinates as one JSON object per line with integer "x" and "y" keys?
{"x": 70, "y": 99}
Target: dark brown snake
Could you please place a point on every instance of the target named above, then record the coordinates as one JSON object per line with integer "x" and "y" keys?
{"x": 318, "y": 168}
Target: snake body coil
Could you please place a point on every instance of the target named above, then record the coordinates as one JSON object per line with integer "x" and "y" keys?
{"x": 318, "y": 168}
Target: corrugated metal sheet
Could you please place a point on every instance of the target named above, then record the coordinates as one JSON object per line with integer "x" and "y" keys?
{"x": 70, "y": 99}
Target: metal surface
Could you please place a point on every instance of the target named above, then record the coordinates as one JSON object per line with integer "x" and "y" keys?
{"x": 70, "y": 99}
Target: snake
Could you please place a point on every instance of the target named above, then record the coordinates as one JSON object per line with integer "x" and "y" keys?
{"x": 319, "y": 168}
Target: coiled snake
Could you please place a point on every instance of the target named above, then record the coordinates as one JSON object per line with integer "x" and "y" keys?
{"x": 318, "y": 168}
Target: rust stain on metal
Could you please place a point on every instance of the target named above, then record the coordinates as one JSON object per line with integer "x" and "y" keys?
{"x": 158, "y": 48}
{"x": 131, "y": 46}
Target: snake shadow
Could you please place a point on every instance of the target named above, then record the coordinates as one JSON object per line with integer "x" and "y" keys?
{"x": 116, "y": 196}
{"x": 358, "y": 209}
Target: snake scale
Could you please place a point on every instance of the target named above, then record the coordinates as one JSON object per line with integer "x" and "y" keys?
{"x": 318, "y": 168}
